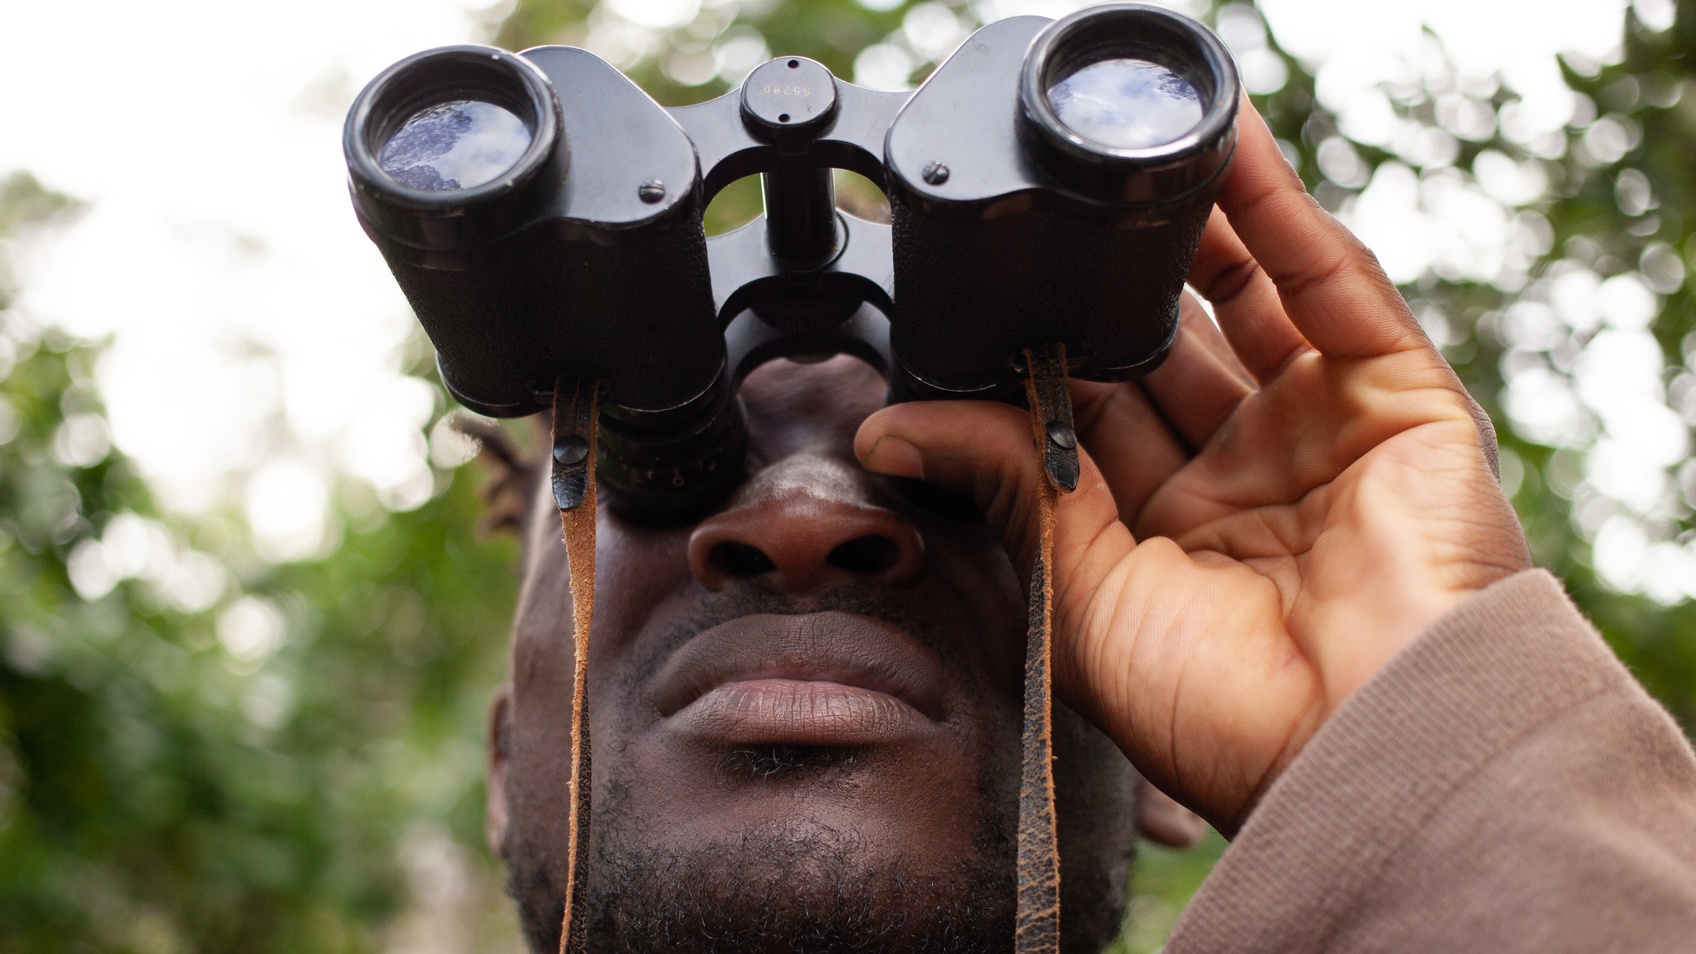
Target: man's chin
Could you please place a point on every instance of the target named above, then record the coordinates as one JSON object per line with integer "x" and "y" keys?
{"x": 777, "y": 888}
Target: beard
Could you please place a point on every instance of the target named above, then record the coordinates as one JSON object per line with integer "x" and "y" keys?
{"x": 777, "y": 888}
{"x": 794, "y": 886}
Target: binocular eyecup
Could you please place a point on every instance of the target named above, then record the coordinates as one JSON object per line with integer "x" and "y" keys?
{"x": 442, "y": 142}
{"x": 1124, "y": 104}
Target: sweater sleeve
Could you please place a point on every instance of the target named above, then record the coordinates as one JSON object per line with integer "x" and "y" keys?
{"x": 1502, "y": 785}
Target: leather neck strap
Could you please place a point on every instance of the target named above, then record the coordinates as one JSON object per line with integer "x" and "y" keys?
{"x": 575, "y": 421}
{"x": 1036, "y": 925}
{"x": 1037, "y": 918}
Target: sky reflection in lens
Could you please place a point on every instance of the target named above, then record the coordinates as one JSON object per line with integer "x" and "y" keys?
{"x": 457, "y": 145}
{"x": 1126, "y": 103}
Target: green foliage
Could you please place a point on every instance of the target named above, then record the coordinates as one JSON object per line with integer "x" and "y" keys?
{"x": 1165, "y": 880}
{"x": 206, "y": 779}
{"x": 1624, "y": 209}
{"x": 25, "y": 204}
{"x": 1618, "y": 218}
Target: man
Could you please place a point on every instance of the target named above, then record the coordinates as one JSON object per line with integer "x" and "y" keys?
{"x": 1288, "y": 581}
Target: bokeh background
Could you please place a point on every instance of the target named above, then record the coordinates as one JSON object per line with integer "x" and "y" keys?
{"x": 249, "y": 622}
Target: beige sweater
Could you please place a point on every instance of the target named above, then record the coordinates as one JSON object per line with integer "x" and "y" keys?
{"x": 1503, "y": 785}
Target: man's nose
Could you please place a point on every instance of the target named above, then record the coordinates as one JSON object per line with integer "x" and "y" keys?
{"x": 806, "y": 527}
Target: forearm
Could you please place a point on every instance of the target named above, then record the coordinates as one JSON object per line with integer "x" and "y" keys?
{"x": 1502, "y": 785}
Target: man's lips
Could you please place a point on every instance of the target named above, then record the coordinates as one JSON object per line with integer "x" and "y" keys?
{"x": 820, "y": 679}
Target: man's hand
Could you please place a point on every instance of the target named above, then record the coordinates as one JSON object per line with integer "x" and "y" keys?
{"x": 1265, "y": 520}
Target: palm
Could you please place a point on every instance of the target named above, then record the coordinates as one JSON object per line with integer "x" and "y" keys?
{"x": 1264, "y": 489}
{"x": 1307, "y": 513}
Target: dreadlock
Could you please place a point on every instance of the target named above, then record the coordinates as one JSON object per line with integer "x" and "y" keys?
{"x": 513, "y": 471}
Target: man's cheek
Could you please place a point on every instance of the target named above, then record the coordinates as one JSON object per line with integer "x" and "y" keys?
{"x": 635, "y": 568}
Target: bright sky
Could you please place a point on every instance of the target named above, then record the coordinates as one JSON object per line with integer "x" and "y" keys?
{"x": 219, "y": 246}
{"x": 220, "y": 251}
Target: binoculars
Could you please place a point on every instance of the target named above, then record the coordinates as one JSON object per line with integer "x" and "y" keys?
{"x": 1048, "y": 184}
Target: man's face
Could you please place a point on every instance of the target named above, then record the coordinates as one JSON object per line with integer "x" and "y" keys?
{"x": 805, "y": 715}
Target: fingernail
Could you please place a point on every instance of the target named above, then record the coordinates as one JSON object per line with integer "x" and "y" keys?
{"x": 893, "y": 456}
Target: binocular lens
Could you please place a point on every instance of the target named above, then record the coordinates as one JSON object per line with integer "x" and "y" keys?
{"x": 454, "y": 145}
{"x": 1126, "y": 103}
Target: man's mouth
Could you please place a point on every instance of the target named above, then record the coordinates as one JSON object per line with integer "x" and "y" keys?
{"x": 827, "y": 679}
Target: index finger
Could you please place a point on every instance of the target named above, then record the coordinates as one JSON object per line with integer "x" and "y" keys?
{"x": 1330, "y": 284}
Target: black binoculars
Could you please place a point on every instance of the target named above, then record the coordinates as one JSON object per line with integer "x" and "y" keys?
{"x": 1047, "y": 184}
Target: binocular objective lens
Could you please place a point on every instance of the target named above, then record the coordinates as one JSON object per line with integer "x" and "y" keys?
{"x": 456, "y": 145}
{"x": 1126, "y": 103}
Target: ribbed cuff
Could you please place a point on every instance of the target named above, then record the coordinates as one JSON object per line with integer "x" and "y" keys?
{"x": 1504, "y": 662}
